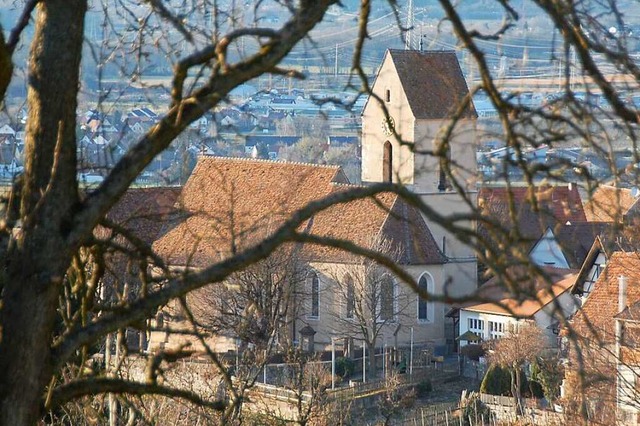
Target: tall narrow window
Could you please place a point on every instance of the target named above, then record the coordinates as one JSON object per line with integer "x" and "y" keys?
{"x": 387, "y": 95}
{"x": 387, "y": 293}
{"x": 387, "y": 162}
{"x": 350, "y": 296}
{"x": 423, "y": 304}
{"x": 315, "y": 294}
{"x": 445, "y": 160}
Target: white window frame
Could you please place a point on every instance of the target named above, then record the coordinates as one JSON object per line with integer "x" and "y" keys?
{"x": 476, "y": 326}
{"x": 496, "y": 329}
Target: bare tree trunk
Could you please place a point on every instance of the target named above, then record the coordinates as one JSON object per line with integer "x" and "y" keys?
{"x": 515, "y": 371}
{"x": 38, "y": 257}
{"x": 371, "y": 349}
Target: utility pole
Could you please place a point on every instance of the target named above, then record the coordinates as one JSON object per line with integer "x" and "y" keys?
{"x": 408, "y": 37}
{"x": 364, "y": 361}
{"x": 411, "y": 355}
{"x": 333, "y": 363}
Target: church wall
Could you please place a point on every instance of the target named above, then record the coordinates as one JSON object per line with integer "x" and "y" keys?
{"x": 332, "y": 321}
{"x": 447, "y": 203}
{"x": 462, "y": 145}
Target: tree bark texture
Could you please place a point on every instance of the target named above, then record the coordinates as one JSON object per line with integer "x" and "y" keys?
{"x": 38, "y": 255}
{"x": 373, "y": 368}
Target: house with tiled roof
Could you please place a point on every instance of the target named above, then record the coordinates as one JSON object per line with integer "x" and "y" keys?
{"x": 567, "y": 253}
{"x": 540, "y": 222}
{"x": 541, "y": 298}
{"x": 612, "y": 204}
{"x": 534, "y": 208}
{"x": 603, "y": 372}
{"x": 568, "y": 245}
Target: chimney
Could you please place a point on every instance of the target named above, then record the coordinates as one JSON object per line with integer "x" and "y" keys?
{"x": 622, "y": 293}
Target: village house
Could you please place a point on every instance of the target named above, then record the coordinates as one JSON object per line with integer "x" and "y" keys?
{"x": 612, "y": 204}
{"x": 544, "y": 300}
{"x": 601, "y": 374}
{"x": 539, "y": 215}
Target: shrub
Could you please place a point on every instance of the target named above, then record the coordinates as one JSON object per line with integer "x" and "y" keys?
{"x": 536, "y": 389}
{"x": 549, "y": 374}
{"x": 423, "y": 388}
{"x": 344, "y": 367}
{"x": 473, "y": 352}
{"x": 497, "y": 381}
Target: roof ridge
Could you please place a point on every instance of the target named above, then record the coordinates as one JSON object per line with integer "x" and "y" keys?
{"x": 262, "y": 160}
{"x": 351, "y": 185}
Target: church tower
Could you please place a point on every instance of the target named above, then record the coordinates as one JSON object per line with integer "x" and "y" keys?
{"x": 418, "y": 93}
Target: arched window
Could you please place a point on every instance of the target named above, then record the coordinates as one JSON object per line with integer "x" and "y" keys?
{"x": 350, "y": 296}
{"x": 387, "y": 298}
{"x": 314, "y": 283}
{"x": 425, "y": 283}
{"x": 387, "y": 162}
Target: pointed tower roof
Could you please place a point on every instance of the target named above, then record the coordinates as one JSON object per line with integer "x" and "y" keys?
{"x": 433, "y": 83}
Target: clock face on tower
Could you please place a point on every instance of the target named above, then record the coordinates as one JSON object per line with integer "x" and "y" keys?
{"x": 388, "y": 125}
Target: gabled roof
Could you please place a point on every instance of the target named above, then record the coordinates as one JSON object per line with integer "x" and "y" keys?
{"x": 577, "y": 238}
{"x": 230, "y": 203}
{"x": 556, "y": 205}
{"x": 143, "y": 211}
{"x": 433, "y": 83}
{"x": 530, "y": 296}
{"x": 388, "y": 217}
{"x": 595, "y": 320}
{"x": 609, "y": 204}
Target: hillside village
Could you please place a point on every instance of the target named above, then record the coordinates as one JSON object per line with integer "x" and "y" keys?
{"x": 224, "y": 187}
{"x": 584, "y": 248}
{"x": 398, "y": 213}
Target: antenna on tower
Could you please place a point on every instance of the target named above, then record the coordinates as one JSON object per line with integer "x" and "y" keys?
{"x": 408, "y": 36}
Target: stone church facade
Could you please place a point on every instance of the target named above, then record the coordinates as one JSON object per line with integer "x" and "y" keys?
{"x": 228, "y": 204}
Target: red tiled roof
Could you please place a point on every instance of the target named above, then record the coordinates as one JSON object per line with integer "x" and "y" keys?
{"x": 577, "y": 238}
{"x": 555, "y": 205}
{"x": 609, "y": 204}
{"x": 143, "y": 211}
{"x": 595, "y": 319}
{"x": 230, "y": 203}
{"x": 530, "y": 296}
{"x": 433, "y": 83}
